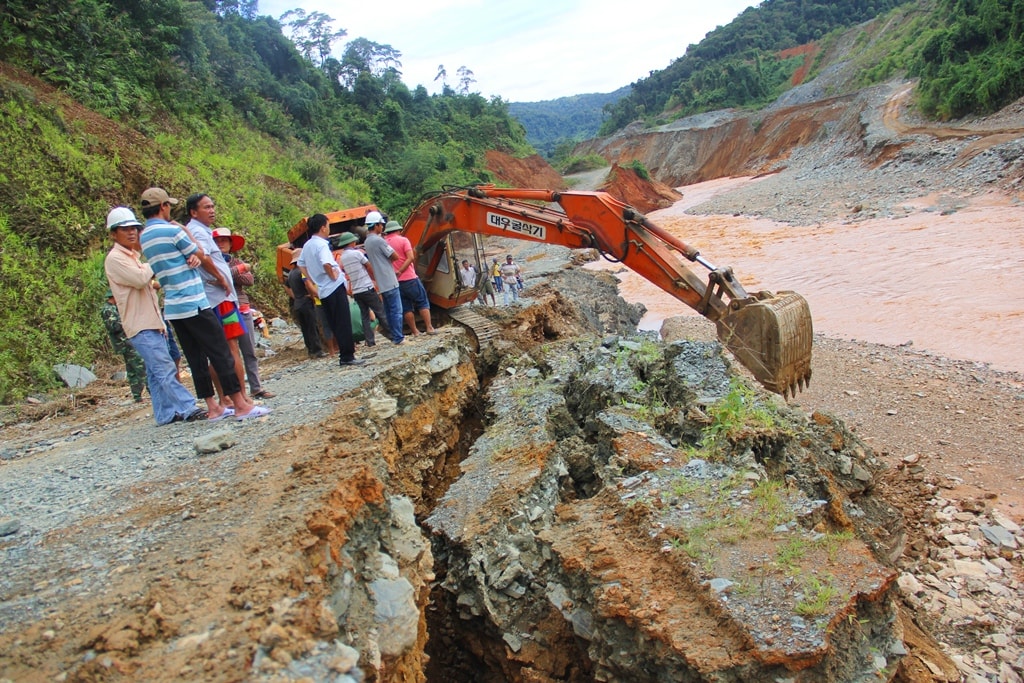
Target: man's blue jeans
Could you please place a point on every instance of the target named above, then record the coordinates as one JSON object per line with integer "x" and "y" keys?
{"x": 169, "y": 396}
{"x": 393, "y": 308}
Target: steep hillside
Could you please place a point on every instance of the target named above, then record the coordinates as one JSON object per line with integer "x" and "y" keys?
{"x": 828, "y": 122}
{"x": 746, "y": 63}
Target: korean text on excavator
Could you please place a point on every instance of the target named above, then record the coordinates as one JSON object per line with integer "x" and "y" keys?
{"x": 769, "y": 333}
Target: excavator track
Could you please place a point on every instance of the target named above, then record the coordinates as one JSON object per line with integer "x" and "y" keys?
{"x": 480, "y": 328}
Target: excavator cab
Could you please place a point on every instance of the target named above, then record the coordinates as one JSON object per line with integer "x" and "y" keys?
{"x": 439, "y": 265}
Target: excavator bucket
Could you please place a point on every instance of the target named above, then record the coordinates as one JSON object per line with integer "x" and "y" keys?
{"x": 772, "y": 335}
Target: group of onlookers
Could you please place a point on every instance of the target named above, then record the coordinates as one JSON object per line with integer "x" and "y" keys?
{"x": 506, "y": 278}
{"x": 200, "y": 283}
{"x": 379, "y": 275}
{"x": 202, "y": 280}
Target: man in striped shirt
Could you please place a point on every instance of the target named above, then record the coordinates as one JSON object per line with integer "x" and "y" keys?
{"x": 174, "y": 256}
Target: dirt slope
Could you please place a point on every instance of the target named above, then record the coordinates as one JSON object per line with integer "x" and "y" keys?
{"x": 531, "y": 172}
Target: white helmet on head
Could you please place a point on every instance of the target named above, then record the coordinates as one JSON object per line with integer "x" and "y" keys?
{"x": 373, "y": 218}
{"x": 121, "y": 216}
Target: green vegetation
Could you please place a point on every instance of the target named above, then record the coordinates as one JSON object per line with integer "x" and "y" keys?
{"x": 817, "y": 596}
{"x": 834, "y": 542}
{"x": 968, "y": 54}
{"x": 972, "y": 58}
{"x": 734, "y": 415}
{"x": 553, "y": 124}
{"x": 790, "y": 554}
{"x": 738, "y": 65}
{"x": 639, "y": 168}
{"x": 771, "y": 507}
{"x": 39, "y": 292}
{"x": 199, "y": 96}
{"x": 579, "y": 164}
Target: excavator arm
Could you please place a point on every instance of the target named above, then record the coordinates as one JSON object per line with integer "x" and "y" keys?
{"x": 770, "y": 334}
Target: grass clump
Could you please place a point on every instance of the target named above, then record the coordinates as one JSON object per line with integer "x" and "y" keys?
{"x": 768, "y": 496}
{"x": 817, "y": 595}
{"x": 734, "y": 415}
{"x": 639, "y": 168}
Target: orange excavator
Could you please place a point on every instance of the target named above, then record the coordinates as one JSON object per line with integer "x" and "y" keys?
{"x": 770, "y": 334}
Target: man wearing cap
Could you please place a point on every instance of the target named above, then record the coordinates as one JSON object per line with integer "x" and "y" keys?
{"x": 242, "y": 277}
{"x": 381, "y": 255}
{"x": 413, "y": 293}
{"x": 359, "y": 271}
{"x": 131, "y": 283}
{"x": 174, "y": 256}
{"x": 223, "y": 299}
{"x": 318, "y": 264}
{"x": 303, "y": 309}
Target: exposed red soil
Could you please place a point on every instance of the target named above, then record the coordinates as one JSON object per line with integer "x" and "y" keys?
{"x": 532, "y": 171}
{"x": 809, "y": 52}
{"x": 643, "y": 195}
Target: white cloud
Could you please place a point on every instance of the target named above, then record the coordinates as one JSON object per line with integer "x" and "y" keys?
{"x": 528, "y": 50}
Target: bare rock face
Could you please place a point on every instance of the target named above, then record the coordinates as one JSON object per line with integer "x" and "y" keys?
{"x": 632, "y": 512}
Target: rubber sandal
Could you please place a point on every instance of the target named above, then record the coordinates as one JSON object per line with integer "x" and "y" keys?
{"x": 257, "y": 411}
{"x": 264, "y": 394}
{"x": 196, "y": 415}
{"x": 228, "y": 412}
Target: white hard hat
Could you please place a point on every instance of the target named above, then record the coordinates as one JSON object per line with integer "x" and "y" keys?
{"x": 121, "y": 216}
{"x": 374, "y": 217}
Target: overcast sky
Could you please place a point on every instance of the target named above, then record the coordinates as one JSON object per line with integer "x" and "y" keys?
{"x": 527, "y": 50}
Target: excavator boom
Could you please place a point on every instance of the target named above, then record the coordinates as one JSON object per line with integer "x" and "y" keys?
{"x": 770, "y": 334}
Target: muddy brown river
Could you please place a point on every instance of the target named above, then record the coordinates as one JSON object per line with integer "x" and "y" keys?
{"x": 948, "y": 284}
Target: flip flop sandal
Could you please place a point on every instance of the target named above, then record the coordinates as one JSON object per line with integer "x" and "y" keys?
{"x": 228, "y": 412}
{"x": 257, "y": 411}
{"x": 196, "y": 415}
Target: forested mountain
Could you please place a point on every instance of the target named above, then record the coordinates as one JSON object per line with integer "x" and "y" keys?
{"x": 738, "y": 64}
{"x": 103, "y": 98}
{"x": 566, "y": 119}
{"x": 968, "y": 54}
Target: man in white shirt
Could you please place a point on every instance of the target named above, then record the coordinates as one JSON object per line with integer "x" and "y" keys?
{"x": 318, "y": 264}
{"x": 467, "y": 274}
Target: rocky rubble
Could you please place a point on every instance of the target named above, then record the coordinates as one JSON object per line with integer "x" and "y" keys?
{"x": 596, "y": 535}
{"x": 965, "y": 574}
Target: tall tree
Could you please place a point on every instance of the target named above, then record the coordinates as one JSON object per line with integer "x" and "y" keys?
{"x": 312, "y": 33}
{"x": 465, "y": 80}
{"x": 365, "y": 56}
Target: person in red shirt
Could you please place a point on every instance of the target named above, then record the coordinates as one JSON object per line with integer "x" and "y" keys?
{"x": 414, "y": 294}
